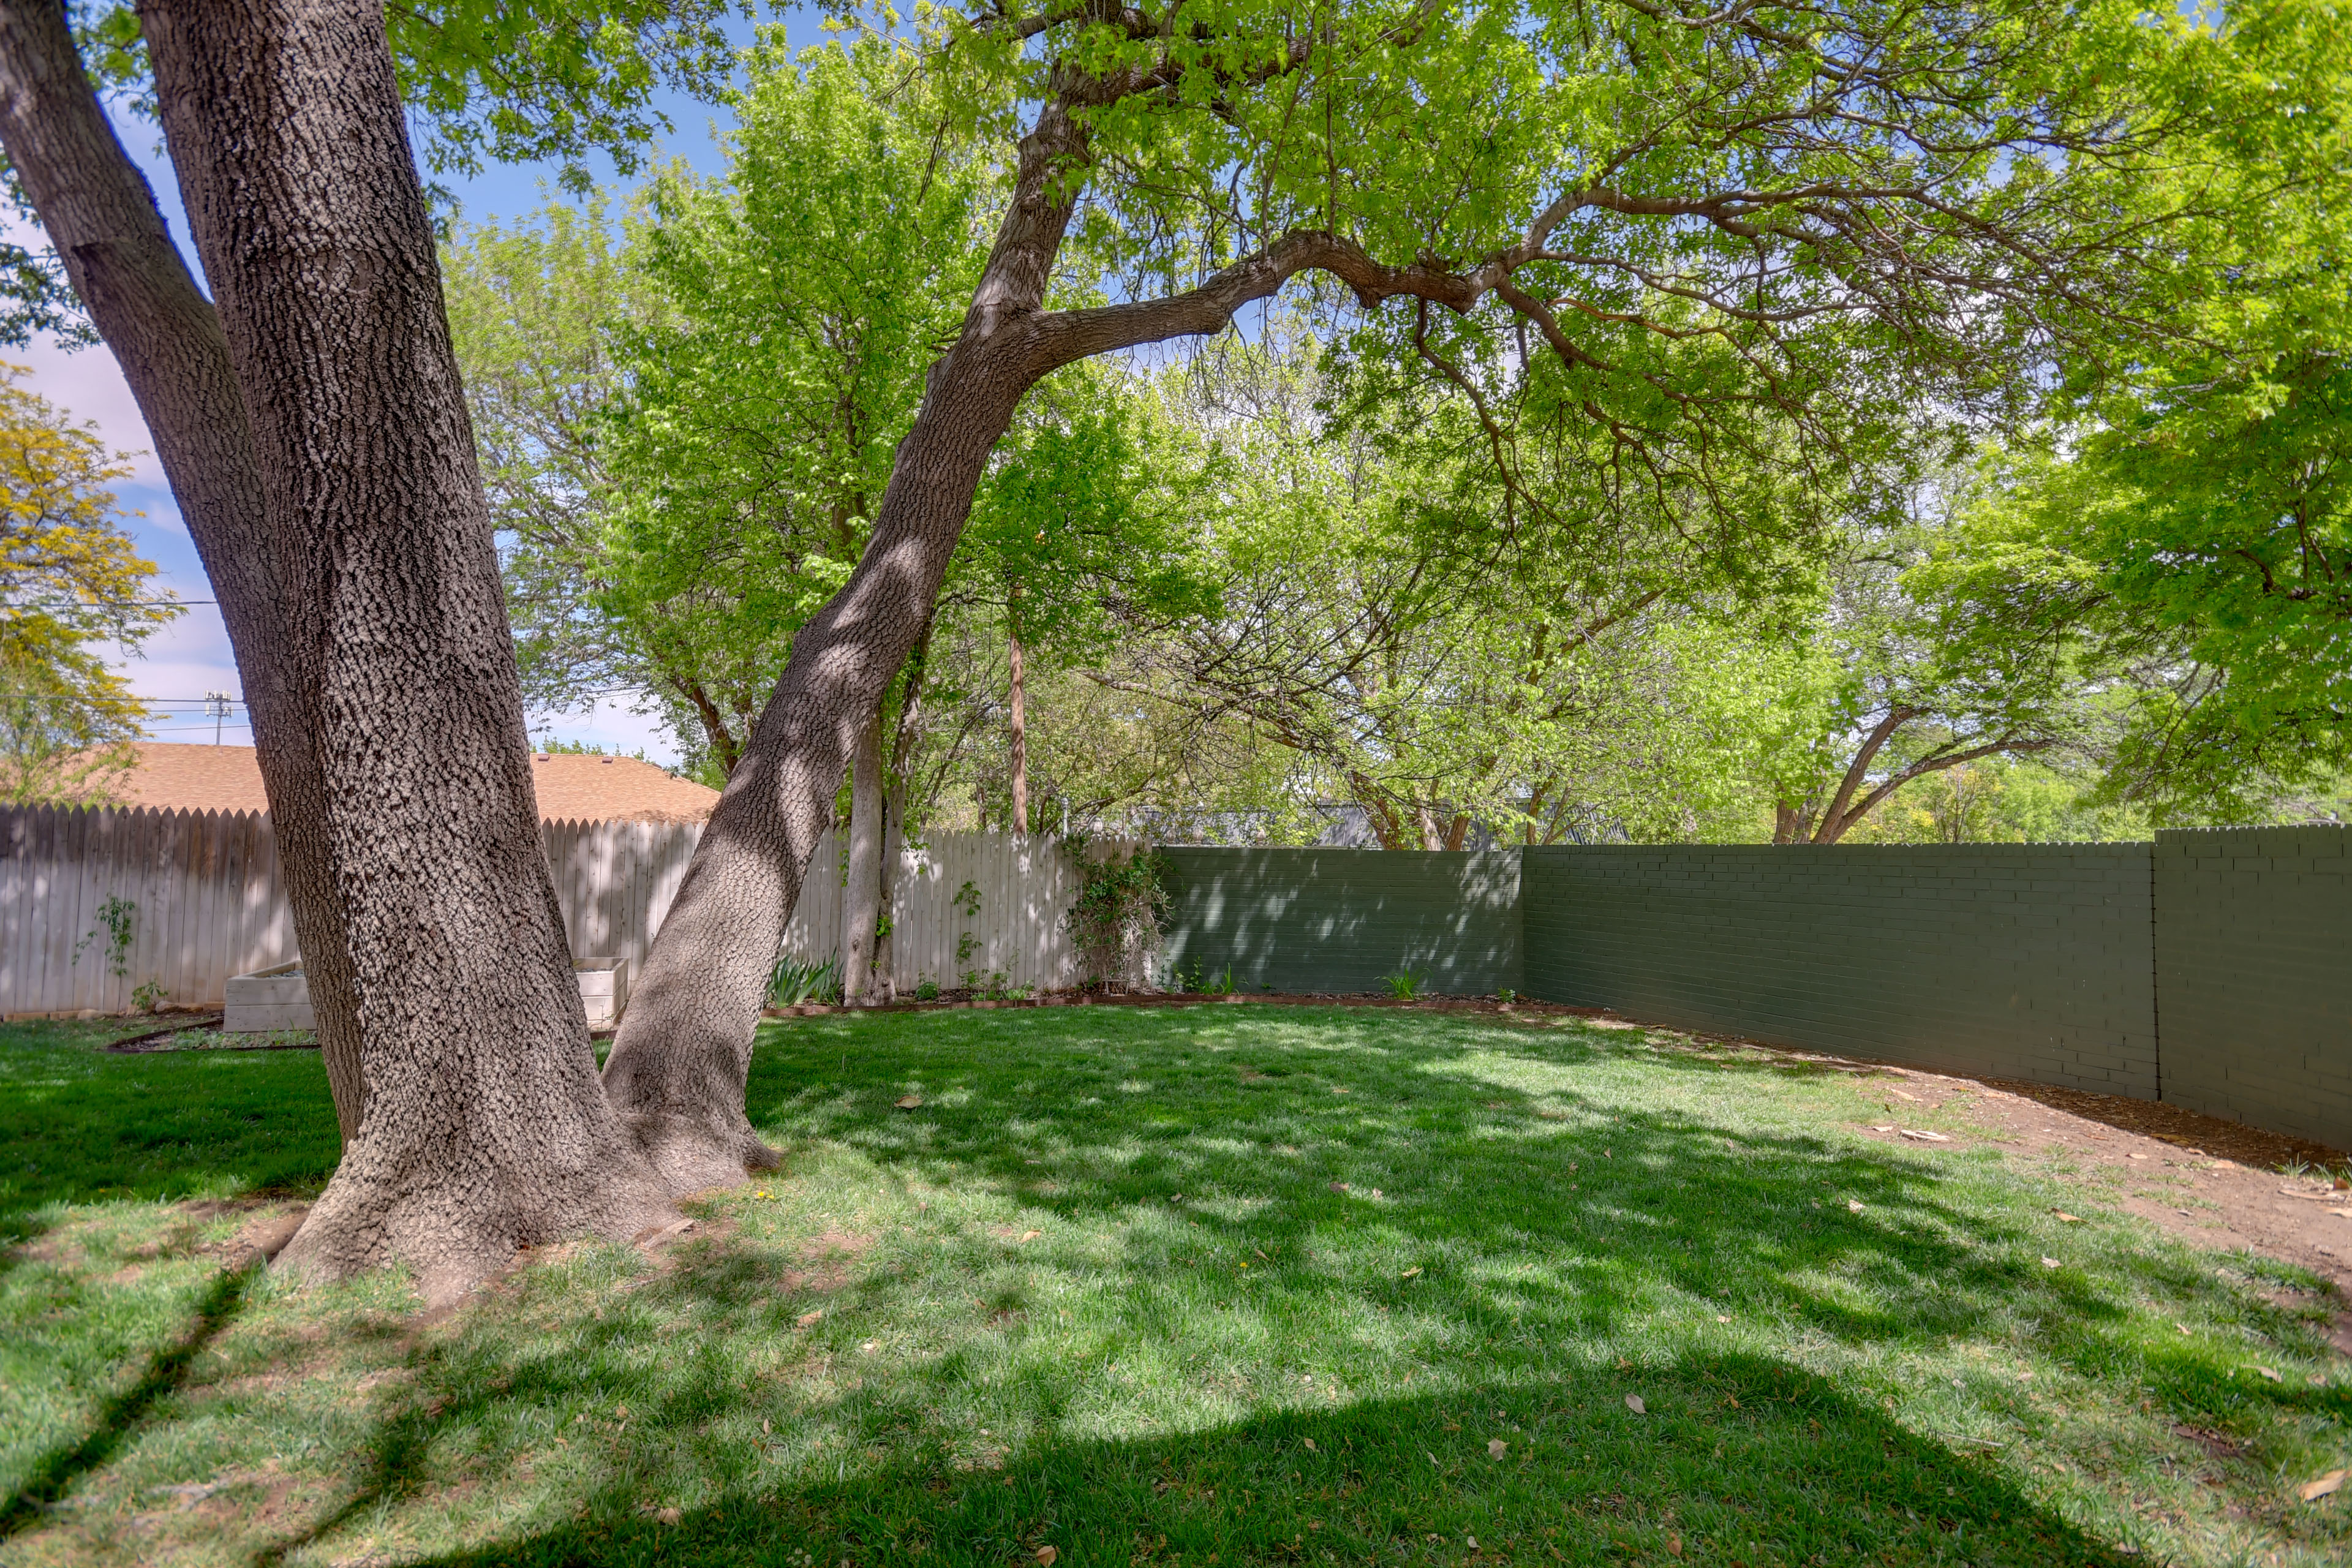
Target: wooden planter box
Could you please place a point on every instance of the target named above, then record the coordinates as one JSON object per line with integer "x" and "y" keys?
{"x": 279, "y": 998}
{"x": 603, "y": 989}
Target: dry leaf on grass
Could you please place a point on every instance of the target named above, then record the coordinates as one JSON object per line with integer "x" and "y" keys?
{"x": 1888, "y": 1128}
{"x": 1310, "y": 1443}
{"x": 1048, "y": 1556}
{"x": 669, "y": 1515}
{"x": 1855, "y": 1205}
{"x": 2268, "y": 1372}
{"x": 1674, "y": 1544}
{"x": 1409, "y": 1273}
{"x": 1496, "y": 1448}
{"x": 2065, "y": 1218}
{"x": 1030, "y": 1236}
{"x": 2312, "y": 1491}
{"x": 1633, "y": 1402}
{"x": 807, "y": 1319}
{"x": 1917, "y": 1136}
{"x": 1900, "y": 1095}
{"x": 910, "y": 1103}
{"x": 2048, "y": 1263}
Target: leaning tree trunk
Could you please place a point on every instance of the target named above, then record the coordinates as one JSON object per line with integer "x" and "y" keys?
{"x": 861, "y": 898}
{"x": 684, "y": 1050}
{"x": 485, "y": 1126}
{"x": 102, "y": 219}
{"x": 685, "y": 1047}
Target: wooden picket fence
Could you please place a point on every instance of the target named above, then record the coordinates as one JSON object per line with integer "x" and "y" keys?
{"x": 983, "y": 904}
{"x": 198, "y": 897}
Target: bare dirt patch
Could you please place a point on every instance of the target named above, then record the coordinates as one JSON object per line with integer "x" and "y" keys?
{"x": 828, "y": 1261}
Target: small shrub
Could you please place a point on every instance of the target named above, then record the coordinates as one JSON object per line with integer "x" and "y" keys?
{"x": 1507, "y": 995}
{"x": 792, "y": 982}
{"x": 1405, "y": 986}
{"x": 1114, "y": 919}
{"x": 927, "y": 991}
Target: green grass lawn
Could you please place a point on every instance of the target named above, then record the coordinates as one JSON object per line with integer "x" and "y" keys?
{"x": 1225, "y": 1284}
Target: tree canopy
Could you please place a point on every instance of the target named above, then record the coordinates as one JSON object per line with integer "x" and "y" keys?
{"x": 70, "y": 575}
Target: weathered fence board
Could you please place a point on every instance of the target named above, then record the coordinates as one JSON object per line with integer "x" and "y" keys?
{"x": 207, "y": 903}
{"x": 204, "y": 896}
{"x": 1010, "y": 924}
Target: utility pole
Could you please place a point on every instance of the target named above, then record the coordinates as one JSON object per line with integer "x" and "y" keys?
{"x": 217, "y": 704}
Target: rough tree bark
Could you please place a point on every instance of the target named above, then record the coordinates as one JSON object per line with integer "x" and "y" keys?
{"x": 102, "y": 218}
{"x": 484, "y": 1126}
{"x": 861, "y": 906}
{"x": 1795, "y": 824}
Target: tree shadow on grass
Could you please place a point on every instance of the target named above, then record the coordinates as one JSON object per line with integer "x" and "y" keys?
{"x": 50, "y": 1476}
{"x": 1480, "y": 1143}
{"x": 1212, "y": 1281}
{"x": 1224, "y": 1262}
{"x": 1734, "y": 1459}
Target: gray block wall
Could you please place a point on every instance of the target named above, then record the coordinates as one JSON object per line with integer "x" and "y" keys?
{"x": 2029, "y": 962}
{"x": 1341, "y": 919}
{"x": 2254, "y": 951}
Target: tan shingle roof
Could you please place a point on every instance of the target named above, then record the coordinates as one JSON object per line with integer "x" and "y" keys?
{"x": 573, "y": 788}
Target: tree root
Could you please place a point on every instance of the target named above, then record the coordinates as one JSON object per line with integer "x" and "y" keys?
{"x": 455, "y": 1229}
{"x": 692, "y": 1156}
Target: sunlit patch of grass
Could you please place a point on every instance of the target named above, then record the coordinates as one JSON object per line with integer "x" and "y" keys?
{"x": 1143, "y": 1287}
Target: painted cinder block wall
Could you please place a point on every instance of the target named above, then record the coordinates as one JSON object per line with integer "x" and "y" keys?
{"x": 2016, "y": 961}
{"x": 2211, "y": 970}
{"x": 2253, "y": 976}
{"x": 1341, "y": 919}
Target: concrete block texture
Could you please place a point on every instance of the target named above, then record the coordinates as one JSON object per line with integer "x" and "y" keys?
{"x": 1343, "y": 920}
{"x": 2032, "y": 961}
{"x": 2254, "y": 960}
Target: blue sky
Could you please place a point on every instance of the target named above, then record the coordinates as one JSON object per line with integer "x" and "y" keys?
{"x": 191, "y": 657}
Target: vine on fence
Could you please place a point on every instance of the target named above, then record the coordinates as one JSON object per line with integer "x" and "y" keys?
{"x": 1116, "y": 919}
{"x": 120, "y": 918}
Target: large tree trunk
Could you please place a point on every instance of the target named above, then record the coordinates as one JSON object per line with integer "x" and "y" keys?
{"x": 484, "y": 1126}
{"x": 861, "y": 896}
{"x": 165, "y": 335}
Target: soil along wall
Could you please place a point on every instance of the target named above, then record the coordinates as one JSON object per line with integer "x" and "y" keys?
{"x": 2253, "y": 951}
{"x": 2030, "y": 961}
{"x": 1344, "y": 919}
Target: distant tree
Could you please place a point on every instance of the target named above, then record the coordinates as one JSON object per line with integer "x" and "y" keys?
{"x": 2200, "y": 551}
{"x": 69, "y": 576}
{"x": 1888, "y": 687}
